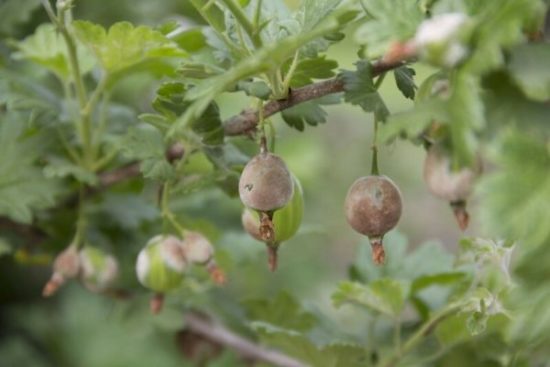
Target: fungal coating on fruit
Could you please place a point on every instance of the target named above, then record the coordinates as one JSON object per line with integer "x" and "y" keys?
{"x": 197, "y": 248}
{"x": 373, "y": 207}
{"x": 265, "y": 184}
{"x": 160, "y": 264}
{"x": 443, "y": 182}
{"x": 98, "y": 269}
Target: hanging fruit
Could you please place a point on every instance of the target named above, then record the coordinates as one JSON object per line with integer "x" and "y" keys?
{"x": 373, "y": 207}
{"x": 452, "y": 186}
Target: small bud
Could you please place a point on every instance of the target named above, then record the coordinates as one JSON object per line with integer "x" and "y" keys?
{"x": 66, "y": 265}
{"x": 161, "y": 263}
{"x": 98, "y": 269}
{"x": 197, "y": 248}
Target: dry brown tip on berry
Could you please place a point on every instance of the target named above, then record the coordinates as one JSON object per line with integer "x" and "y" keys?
{"x": 461, "y": 214}
{"x": 216, "y": 274}
{"x": 55, "y": 282}
{"x": 156, "y": 303}
{"x": 378, "y": 254}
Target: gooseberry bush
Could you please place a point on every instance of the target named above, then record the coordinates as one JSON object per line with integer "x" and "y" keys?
{"x": 141, "y": 172}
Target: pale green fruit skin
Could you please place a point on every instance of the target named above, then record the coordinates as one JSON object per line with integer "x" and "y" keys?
{"x": 98, "y": 269}
{"x": 153, "y": 271}
{"x": 286, "y": 220}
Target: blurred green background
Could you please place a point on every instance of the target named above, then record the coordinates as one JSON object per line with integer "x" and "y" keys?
{"x": 76, "y": 328}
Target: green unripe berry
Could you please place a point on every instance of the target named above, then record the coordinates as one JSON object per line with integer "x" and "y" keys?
{"x": 160, "y": 265}
{"x": 286, "y": 221}
{"x": 98, "y": 270}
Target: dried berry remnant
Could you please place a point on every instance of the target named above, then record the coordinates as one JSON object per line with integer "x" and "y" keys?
{"x": 198, "y": 250}
{"x": 452, "y": 186}
{"x": 373, "y": 207}
{"x": 65, "y": 266}
{"x": 265, "y": 184}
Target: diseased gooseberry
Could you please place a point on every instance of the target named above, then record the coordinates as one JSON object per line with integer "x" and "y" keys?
{"x": 373, "y": 207}
{"x": 286, "y": 222}
{"x": 452, "y": 186}
{"x": 265, "y": 185}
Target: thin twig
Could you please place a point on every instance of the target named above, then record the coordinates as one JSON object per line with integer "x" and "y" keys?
{"x": 247, "y": 120}
{"x": 245, "y": 348}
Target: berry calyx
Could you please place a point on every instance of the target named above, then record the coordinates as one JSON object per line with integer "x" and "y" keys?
{"x": 285, "y": 223}
{"x": 373, "y": 207}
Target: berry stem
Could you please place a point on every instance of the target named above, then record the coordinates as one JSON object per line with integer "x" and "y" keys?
{"x": 272, "y": 258}
{"x": 156, "y": 303}
{"x": 374, "y": 164}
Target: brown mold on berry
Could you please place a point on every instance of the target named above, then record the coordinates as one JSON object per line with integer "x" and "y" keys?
{"x": 265, "y": 184}
{"x": 373, "y": 207}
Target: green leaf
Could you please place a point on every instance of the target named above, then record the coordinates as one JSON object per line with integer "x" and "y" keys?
{"x": 389, "y": 21}
{"x": 147, "y": 145}
{"x": 404, "y": 79}
{"x": 15, "y": 12}
{"x": 359, "y": 90}
{"x": 515, "y": 196}
{"x": 58, "y": 167}
{"x": 411, "y": 124}
{"x": 124, "y": 46}
{"x": 257, "y": 89}
{"x": 466, "y": 116}
{"x": 429, "y": 258}
{"x": 142, "y": 143}
{"x": 307, "y": 70}
{"x": 209, "y": 125}
{"x": 47, "y": 48}
{"x": 128, "y": 211}
{"x": 283, "y": 311}
{"x": 298, "y": 346}
{"x": 310, "y": 113}
{"x": 528, "y": 67}
{"x": 170, "y": 101}
{"x": 426, "y": 281}
{"x": 157, "y": 169}
{"x": 23, "y": 187}
{"x": 191, "y": 40}
{"x": 510, "y": 17}
{"x": 385, "y": 296}
{"x": 505, "y": 104}
{"x": 5, "y": 247}
{"x": 262, "y": 61}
